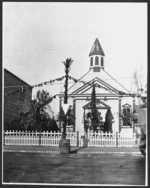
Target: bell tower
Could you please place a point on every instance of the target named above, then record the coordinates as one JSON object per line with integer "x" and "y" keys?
{"x": 96, "y": 57}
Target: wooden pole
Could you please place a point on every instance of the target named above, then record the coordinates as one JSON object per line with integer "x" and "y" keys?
{"x": 74, "y": 111}
{"x": 119, "y": 114}
{"x": 60, "y": 106}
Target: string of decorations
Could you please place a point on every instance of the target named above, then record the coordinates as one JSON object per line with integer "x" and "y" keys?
{"x": 15, "y": 92}
{"x": 60, "y": 79}
{"x": 49, "y": 82}
{"x": 42, "y": 84}
{"x": 37, "y": 85}
{"x": 74, "y": 79}
{"x": 22, "y": 90}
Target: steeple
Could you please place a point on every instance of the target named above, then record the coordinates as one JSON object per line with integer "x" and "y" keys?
{"x": 96, "y": 57}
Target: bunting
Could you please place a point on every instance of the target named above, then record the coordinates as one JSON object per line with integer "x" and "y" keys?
{"x": 49, "y": 82}
{"x": 14, "y": 92}
{"x": 70, "y": 78}
{"x": 22, "y": 90}
{"x": 74, "y": 79}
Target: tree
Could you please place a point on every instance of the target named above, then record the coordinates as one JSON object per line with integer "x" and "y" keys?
{"x": 94, "y": 111}
{"x": 37, "y": 118}
{"x": 108, "y": 121}
{"x": 88, "y": 124}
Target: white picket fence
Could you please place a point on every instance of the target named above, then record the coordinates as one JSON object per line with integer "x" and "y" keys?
{"x": 99, "y": 139}
{"x": 110, "y": 140}
{"x": 39, "y": 139}
{"x": 126, "y": 141}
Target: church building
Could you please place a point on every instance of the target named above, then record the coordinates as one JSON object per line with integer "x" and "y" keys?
{"x": 110, "y": 94}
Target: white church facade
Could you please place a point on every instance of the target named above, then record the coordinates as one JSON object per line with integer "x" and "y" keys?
{"x": 110, "y": 94}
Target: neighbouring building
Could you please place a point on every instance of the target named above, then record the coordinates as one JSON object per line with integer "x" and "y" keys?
{"x": 110, "y": 94}
{"x": 17, "y": 96}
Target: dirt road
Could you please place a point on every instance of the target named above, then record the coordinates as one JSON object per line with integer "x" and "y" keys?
{"x": 115, "y": 169}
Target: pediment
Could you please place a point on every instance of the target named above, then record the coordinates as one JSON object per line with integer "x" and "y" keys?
{"x": 99, "y": 105}
{"x": 100, "y": 86}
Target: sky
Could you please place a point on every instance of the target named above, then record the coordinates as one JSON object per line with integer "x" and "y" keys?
{"x": 38, "y": 37}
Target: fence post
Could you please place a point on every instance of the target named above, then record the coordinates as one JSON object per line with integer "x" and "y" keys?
{"x": 116, "y": 139}
{"x": 77, "y": 138}
{"x": 39, "y": 138}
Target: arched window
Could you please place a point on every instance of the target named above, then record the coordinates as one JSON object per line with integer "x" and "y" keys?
{"x": 96, "y": 60}
{"x": 127, "y": 115}
{"x": 91, "y": 61}
{"x": 102, "y": 61}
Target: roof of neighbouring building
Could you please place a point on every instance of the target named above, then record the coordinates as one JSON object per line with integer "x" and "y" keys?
{"x": 19, "y": 79}
{"x": 96, "y": 49}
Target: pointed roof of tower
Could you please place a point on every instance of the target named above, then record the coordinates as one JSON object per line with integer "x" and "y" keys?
{"x": 96, "y": 49}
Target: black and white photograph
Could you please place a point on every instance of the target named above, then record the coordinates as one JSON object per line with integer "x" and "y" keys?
{"x": 74, "y": 93}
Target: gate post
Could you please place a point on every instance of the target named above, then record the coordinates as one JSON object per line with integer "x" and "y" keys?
{"x": 116, "y": 135}
{"x": 77, "y": 138}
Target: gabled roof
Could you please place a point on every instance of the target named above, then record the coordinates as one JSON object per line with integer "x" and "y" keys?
{"x": 98, "y": 84}
{"x": 104, "y": 83}
{"x": 96, "y": 49}
{"x": 23, "y": 82}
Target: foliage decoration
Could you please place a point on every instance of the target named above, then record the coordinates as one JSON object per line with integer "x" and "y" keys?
{"x": 67, "y": 63}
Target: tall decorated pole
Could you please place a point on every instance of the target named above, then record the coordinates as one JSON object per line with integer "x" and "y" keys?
{"x": 65, "y": 143}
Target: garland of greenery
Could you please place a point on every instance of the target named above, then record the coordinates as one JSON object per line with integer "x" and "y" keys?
{"x": 71, "y": 78}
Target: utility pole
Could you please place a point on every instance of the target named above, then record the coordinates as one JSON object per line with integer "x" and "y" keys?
{"x": 136, "y": 83}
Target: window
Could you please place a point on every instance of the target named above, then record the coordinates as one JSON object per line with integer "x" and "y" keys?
{"x": 102, "y": 61}
{"x": 126, "y": 115}
{"x": 91, "y": 61}
{"x": 96, "y": 60}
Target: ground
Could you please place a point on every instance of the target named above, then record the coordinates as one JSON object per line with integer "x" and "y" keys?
{"x": 54, "y": 168}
